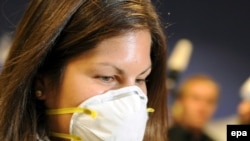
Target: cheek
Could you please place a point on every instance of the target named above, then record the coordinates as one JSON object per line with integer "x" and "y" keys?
{"x": 187, "y": 106}
{"x": 74, "y": 93}
{"x": 192, "y": 107}
{"x": 190, "y": 104}
{"x": 144, "y": 89}
{"x": 212, "y": 108}
{"x": 80, "y": 88}
{"x": 73, "y": 90}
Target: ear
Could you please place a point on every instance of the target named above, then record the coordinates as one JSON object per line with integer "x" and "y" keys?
{"x": 40, "y": 87}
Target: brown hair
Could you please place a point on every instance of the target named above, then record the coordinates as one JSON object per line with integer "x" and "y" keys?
{"x": 53, "y": 31}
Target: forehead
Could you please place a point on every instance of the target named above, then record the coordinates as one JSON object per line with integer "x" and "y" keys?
{"x": 129, "y": 39}
{"x": 200, "y": 87}
{"x": 126, "y": 43}
{"x": 131, "y": 49}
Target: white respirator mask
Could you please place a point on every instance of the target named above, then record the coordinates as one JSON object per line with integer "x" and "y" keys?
{"x": 117, "y": 115}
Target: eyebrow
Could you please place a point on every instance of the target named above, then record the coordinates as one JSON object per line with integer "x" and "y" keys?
{"x": 146, "y": 70}
{"x": 120, "y": 71}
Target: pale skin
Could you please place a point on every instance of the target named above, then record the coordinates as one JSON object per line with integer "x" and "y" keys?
{"x": 114, "y": 63}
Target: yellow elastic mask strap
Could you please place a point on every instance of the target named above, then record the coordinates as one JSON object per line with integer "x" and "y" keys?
{"x": 66, "y": 136}
{"x": 150, "y": 110}
{"x": 92, "y": 113}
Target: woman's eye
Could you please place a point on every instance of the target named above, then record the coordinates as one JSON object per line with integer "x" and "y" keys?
{"x": 141, "y": 81}
{"x": 106, "y": 79}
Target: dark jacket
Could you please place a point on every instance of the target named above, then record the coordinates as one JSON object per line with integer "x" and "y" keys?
{"x": 177, "y": 133}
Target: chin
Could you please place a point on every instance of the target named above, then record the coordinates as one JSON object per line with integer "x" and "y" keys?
{"x": 199, "y": 125}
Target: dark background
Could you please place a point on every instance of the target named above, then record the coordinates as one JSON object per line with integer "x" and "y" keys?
{"x": 219, "y": 30}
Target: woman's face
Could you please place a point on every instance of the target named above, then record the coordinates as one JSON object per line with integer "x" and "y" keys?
{"x": 114, "y": 63}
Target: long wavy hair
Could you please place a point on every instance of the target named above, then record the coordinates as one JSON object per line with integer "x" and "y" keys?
{"x": 53, "y": 31}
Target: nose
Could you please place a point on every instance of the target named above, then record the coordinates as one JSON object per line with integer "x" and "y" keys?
{"x": 130, "y": 82}
{"x": 127, "y": 83}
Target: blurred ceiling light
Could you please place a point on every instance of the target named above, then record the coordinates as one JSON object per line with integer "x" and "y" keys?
{"x": 178, "y": 62}
{"x": 179, "y": 59}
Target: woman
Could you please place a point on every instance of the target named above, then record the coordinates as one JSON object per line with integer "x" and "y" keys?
{"x": 67, "y": 54}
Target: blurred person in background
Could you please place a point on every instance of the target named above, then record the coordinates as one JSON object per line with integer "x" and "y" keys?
{"x": 244, "y": 112}
{"x": 218, "y": 128}
{"x": 193, "y": 107}
{"x": 244, "y": 106}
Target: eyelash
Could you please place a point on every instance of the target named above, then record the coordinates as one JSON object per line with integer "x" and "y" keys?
{"x": 109, "y": 79}
{"x": 141, "y": 81}
{"x": 106, "y": 79}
